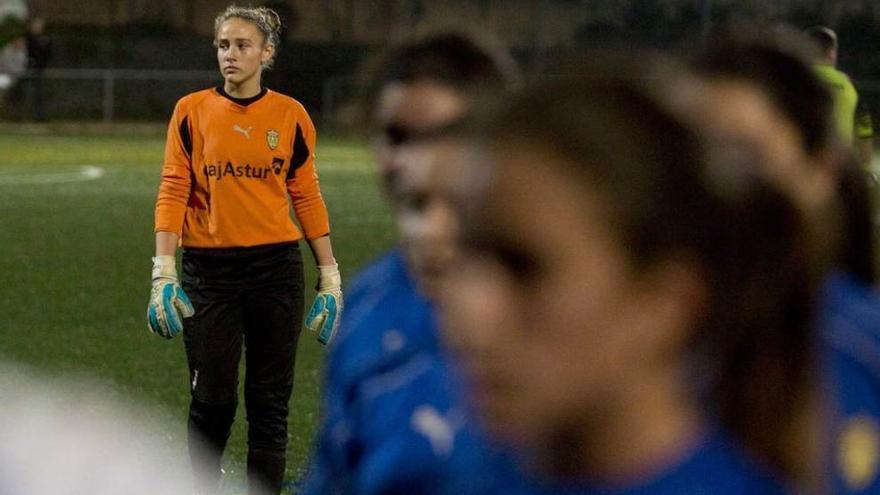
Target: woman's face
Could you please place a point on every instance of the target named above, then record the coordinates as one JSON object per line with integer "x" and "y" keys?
{"x": 545, "y": 312}
{"x": 408, "y": 117}
{"x": 241, "y": 51}
{"x": 414, "y": 163}
{"x": 425, "y": 209}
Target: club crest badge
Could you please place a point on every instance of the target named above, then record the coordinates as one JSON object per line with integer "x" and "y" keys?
{"x": 858, "y": 452}
{"x": 272, "y": 138}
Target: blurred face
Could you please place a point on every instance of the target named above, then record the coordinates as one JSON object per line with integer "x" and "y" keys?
{"x": 548, "y": 319}
{"x": 426, "y": 195}
{"x": 241, "y": 51}
{"x": 831, "y": 55}
{"x": 416, "y": 167}
{"x": 38, "y": 26}
{"x": 408, "y": 115}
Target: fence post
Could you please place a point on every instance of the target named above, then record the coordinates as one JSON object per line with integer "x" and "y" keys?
{"x": 327, "y": 100}
{"x": 109, "y": 98}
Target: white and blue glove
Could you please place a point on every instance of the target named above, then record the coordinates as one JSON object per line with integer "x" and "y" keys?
{"x": 324, "y": 316}
{"x": 169, "y": 305}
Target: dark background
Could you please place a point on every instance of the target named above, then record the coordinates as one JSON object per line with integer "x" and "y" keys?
{"x": 326, "y": 41}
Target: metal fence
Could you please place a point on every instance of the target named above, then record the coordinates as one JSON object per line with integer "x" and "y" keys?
{"x": 91, "y": 94}
{"x": 135, "y": 94}
{"x": 110, "y": 95}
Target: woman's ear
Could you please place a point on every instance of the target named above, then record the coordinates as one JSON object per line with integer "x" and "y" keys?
{"x": 268, "y": 52}
{"x": 676, "y": 295}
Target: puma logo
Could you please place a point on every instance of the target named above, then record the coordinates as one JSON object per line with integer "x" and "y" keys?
{"x": 439, "y": 431}
{"x": 245, "y": 132}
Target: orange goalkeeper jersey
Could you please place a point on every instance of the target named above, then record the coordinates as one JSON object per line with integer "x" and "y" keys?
{"x": 233, "y": 169}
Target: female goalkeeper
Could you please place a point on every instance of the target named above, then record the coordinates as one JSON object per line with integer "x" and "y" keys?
{"x": 237, "y": 157}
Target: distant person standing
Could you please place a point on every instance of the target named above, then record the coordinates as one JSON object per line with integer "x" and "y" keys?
{"x": 39, "y": 52}
{"x": 12, "y": 65}
{"x": 853, "y": 129}
{"x": 238, "y": 158}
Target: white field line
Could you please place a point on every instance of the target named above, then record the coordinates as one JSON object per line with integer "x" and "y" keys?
{"x": 83, "y": 173}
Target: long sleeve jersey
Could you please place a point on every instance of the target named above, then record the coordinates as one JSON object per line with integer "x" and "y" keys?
{"x": 233, "y": 168}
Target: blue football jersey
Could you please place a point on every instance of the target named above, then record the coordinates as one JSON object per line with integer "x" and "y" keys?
{"x": 392, "y": 421}
{"x": 850, "y": 337}
{"x": 717, "y": 466}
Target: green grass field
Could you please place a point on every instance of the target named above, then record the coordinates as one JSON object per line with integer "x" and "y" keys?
{"x": 75, "y": 269}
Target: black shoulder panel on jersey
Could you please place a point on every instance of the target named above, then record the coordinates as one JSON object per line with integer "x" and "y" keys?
{"x": 300, "y": 152}
{"x": 185, "y": 137}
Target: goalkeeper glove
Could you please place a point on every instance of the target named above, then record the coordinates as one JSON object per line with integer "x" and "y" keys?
{"x": 168, "y": 303}
{"x": 323, "y": 318}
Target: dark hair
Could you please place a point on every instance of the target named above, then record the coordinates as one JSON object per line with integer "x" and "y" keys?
{"x": 464, "y": 62}
{"x": 824, "y": 37}
{"x": 777, "y": 62}
{"x": 669, "y": 194}
{"x": 856, "y": 252}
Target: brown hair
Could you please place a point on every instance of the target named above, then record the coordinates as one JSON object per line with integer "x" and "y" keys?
{"x": 671, "y": 193}
{"x": 470, "y": 64}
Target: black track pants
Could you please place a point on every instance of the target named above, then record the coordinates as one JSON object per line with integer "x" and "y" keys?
{"x": 251, "y": 296}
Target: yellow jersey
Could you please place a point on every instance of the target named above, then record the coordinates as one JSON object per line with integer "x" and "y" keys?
{"x": 846, "y": 100}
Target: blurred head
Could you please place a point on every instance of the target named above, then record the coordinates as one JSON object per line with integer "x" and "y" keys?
{"x": 613, "y": 250}
{"x": 246, "y": 39}
{"x": 420, "y": 87}
{"x": 37, "y": 26}
{"x": 826, "y": 42}
{"x": 742, "y": 110}
{"x": 408, "y": 118}
{"x": 761, "y": 88}
{"x": 417, "y": 92}
{"x": 776, "y": 62}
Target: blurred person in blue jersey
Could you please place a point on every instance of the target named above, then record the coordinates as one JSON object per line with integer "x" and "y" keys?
{"x": 763, "y": 89}
{"x": 633, "y": 308}
{"x": 392, "y": 420}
